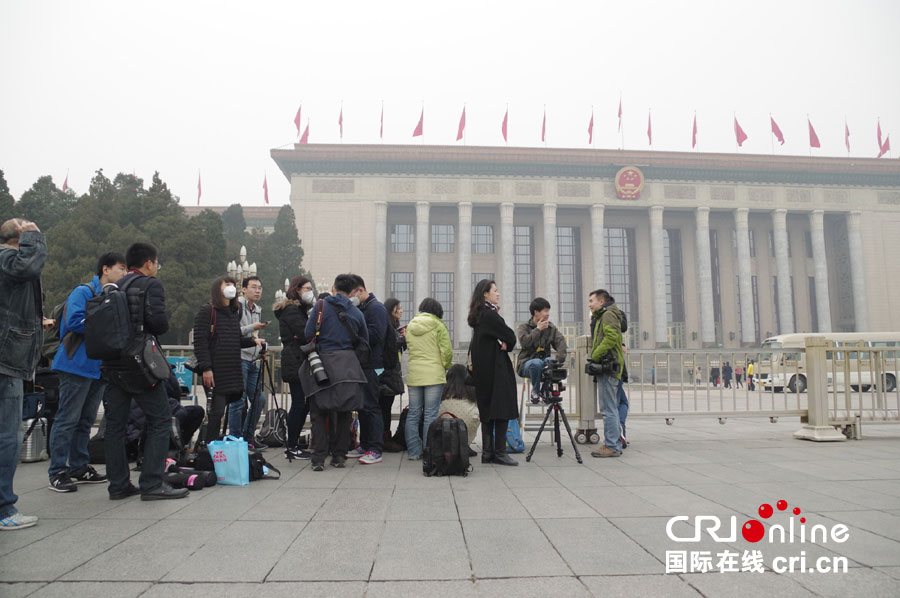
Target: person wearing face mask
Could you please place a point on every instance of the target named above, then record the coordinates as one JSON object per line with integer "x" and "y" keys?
{"x": 217, "y": 346}
{"x": 292, "y": 313}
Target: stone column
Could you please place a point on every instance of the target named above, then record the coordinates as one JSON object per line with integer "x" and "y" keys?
{"x": 423, "y": 250}
{"x": 748, "y": 324}
{"x": 598, "y": 247}
{"x": 551, "y": 263}
{"x": 704, "y": 271}
{"x": 380, "y": 289}
{"x": 507, "y": 266}
{"x": 823, "y": 305}
{"x": 658, "y": 262}
{"x": 783, "y": 271}
{"x": 463, "y": 271}
{"x": 857, "y": 272}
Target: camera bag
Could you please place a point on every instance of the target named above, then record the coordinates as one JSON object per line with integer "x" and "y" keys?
{"x": 446, "y": 448}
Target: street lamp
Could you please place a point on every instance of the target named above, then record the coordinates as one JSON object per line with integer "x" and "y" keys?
{"x": 279, "y": 294}
{"x": 241, "y": 270}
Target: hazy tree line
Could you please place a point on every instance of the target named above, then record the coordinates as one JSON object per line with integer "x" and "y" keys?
{"x": 193, "y": 251}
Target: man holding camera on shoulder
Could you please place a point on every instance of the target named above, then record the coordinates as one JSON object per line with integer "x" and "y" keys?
{"x": 605, "y": 365}
{"x": 537, "y": 337}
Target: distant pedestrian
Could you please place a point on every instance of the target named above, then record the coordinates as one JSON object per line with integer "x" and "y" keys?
{"x": 739, "y": 377}
{"x": 727, "y": 372}
{"x": 698, "y": 376}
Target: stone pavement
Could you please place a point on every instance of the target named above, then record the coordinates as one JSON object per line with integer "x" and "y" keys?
{"x": 547, "y": 528}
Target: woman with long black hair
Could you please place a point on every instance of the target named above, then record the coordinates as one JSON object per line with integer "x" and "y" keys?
{"x": 495, "y": 379}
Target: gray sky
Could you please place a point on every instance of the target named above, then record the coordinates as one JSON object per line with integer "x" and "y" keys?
{"x": 213, "y": 86}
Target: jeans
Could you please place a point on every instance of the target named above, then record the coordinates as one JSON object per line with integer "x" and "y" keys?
{"x": 429, "y": 398}
{"x": 297, "y": 415}
{"x": 623, "y": 405}
{"x": 256, "y": 397}
{"x": 371, "y": 426}
{"x": 155, "y": 406}
{"x": 609, "y": 407}
{"x": 79, "y": 399}
{"x": 11, "y": 433}
{"x": 532, "y": 370}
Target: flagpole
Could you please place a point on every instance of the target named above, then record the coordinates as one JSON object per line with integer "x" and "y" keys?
{"x": 465, "y": 137}
{"x": 621, "y": 124}
{"x": 846, "y": 137}
{"x": 808, "y": 125}
{"x": 342, "y": 122}
{"x": 381, "y": 125}
{"x": 506, "y": 116}
{"x": 423, "y": 122}
{"x": 544, "y": 126}
{"x": 771, "y": 134}
{"x": 734, "y": 127}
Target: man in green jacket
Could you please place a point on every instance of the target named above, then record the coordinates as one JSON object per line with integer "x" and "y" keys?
{"x": 606, "y": 326}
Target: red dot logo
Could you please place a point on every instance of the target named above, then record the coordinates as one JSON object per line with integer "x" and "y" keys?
{"x": 803, "y": 520}
{"x": 796, "y": 510}
{"x": 782, "y": 505}
{"x": 753, "y": 531}
{"x": 765, "y": 511}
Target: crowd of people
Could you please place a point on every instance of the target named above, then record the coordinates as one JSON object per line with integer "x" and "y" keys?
{"x": 341, "y": 353}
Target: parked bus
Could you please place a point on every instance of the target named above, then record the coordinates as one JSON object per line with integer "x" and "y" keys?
{"x": 777, "y": 370}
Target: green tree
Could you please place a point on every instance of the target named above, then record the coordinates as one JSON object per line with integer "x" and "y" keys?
{"x": 284, "y": 246}
{"x": 7, "y": 201}
{"x": 45, "y": 204}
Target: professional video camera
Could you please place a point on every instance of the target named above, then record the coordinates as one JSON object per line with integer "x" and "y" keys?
{"x": 552, "y": 387}
{"x": 552, "y": 377}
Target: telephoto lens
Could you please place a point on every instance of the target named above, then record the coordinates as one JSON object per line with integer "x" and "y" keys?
{"x": 317, "y": 369}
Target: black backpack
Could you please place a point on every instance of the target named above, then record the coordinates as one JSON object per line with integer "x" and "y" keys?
{"x": 446, "y": 448}
{"x": 107, "y": 322}
{"x": 257, "y": 463}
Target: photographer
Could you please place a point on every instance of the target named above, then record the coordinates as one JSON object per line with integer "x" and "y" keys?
{"x": 292, "y": 317}
{"x": 606, "y": 349}
{"x": 537, "y": 337}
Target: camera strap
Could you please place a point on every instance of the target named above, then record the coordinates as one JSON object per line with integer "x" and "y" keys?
{"x": 320, "y": 308}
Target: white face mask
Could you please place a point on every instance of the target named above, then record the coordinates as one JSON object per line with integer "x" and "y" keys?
{"x": 355, "y": 301}
{"x": 230, "y": 292}
{"x": 307, "y": 297}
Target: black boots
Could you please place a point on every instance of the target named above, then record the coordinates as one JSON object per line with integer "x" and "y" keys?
{"x": 500, "y": 455}
{"x": 487, "y": 442}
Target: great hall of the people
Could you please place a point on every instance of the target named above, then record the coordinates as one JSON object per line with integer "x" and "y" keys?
{"x": 700, "y": 250}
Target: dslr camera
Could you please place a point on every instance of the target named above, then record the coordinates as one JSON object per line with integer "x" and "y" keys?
{"x": 316, "y": 368}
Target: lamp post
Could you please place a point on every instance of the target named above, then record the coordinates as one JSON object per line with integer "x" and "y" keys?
{"x": 241, "y": 270}
{"x": 279, "y": 294}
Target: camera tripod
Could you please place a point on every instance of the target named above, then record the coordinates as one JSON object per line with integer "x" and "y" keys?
{"x": 552, "y": 396}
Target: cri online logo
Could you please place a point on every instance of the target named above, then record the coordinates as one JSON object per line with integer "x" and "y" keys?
{"x": 754, "y": 531}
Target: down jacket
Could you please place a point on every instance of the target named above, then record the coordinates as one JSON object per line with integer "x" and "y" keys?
{"x": 430, "y": 352}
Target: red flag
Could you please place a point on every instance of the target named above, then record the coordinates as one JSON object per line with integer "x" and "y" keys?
{"x": 776, "y": 130}
{"x": 381, "y": 128}
{"x": 879, "y": 135}
{"x": 462, "y": 125}
{"x": 305, "y": 137}
{"x": 694, "y": 134}
{"x": 65, "y": 186}
{"x": 620, "y": 114}
{"x": 297, "y": 119}
{"x": 649, "y": 130}
{"x": 421, "y": 126}
{"x": 544, "y": 126}
{"x": 885, "y": 147}
{"x": 813, "y": 138}
{"x": 265, "y": 189}
{"x": 846, "y": 135}
{"x": 340, "y": 123}
{"x": 739, "y": 134}
{"x": 503, "y": 128}
{"x": 199, "y": 189}
{"x": 591, "y": 128}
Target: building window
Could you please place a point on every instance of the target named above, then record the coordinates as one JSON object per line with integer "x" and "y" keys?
{"x": 402, "y": 289}
{"x": 740, "y": 317}
{"x": 523, "y": 255}
{"x": 793, "y": 304}
{"x": 813, "y": 306}
{"x": 755, "y": 288}
{"x": 674, "y": 275}
{"x": 751, "y": 238}
{"x": 568, "y": 251}
{"x": 777, "y": 306}
{"x": 788, "y": 235}
{"x": 621, "y": 271}
{"x": 807, "y": 235}
{"x": 479, "y": 276}
{"x": 442, "y": 291}
{"x": 403, "y": 238}
{"x": 443, "y": 238}
{"x": 716, "y": 286}
{"x": 482, "y": 238}
{"x": 771, "y": 243}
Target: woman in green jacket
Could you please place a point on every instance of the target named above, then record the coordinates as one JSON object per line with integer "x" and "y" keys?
{"x": 430, "y": 355}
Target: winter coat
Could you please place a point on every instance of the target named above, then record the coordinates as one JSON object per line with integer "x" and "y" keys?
{"x": 537, "y": 343}
{"x": 292, "y": 320}
{"x": 79, "y": 364}
{"x": 220, "y": 351}
{"x": 606, "y": 325}
{"x": 333, "y": 335}
{"x": 377, "y": 324}
{"x": 495, "y": 380}
{"x": 344, "y": 390}
{"x": 21, "y": 309}
{"x": 248, "y": 318}
{"x": 430, "y": 353}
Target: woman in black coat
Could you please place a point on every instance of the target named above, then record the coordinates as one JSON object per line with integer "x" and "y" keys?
{"x": 495, "y": 379}
{"x": 217, "y": 346}
{"x": 292, "y": 314}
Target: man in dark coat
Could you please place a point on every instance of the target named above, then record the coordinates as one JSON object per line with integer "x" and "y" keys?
{"x": 371, "y": 424}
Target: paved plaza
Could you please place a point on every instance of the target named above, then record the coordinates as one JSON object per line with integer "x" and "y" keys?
{"x": 551, "y": 527}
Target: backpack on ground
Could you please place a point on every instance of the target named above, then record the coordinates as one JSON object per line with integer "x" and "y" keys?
{"x": 260, "y": 469}
{"x": 446, "y": 448}
{"x": 274, "y": 427}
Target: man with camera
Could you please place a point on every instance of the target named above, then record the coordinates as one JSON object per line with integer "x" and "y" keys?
{"x": 606, "y": 366}
{"x": 537, "y": 337}
{"x": 251, "y": 324}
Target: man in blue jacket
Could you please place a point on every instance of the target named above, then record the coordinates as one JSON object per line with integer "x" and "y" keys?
{"x": 80, "y": 386}
{"x": 23, "y": 254}
{"x": 371, "y": 424}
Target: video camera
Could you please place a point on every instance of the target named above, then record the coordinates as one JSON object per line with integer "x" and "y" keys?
{"x": 553, "y": 371}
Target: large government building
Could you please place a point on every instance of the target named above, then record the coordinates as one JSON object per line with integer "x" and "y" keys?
{"x": 700, "y": 250}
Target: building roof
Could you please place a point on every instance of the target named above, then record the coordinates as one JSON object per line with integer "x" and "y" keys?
{"x": 440, "y": 160}
{"x": 254, "y": 216}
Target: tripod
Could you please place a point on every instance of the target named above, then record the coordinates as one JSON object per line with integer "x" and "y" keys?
{"x": 552, "y": 395}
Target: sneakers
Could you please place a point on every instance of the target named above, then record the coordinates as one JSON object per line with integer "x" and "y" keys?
{"x": 318, "y": 467}
{"x": 61, "y": 482}
{"x": 535, "y": 397}
{"x": 605, "y": 451}
{"x": 17, "y": 521}
{"x": 355, "y": 453}
{"x": 296, "y": 453}
{"x": 87, "y": 475}
{"x": 370, "y": 458}
{"x": 622, "y": 437}
{"x": 259, "y": 446}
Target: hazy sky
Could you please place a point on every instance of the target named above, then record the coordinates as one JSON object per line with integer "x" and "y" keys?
{"x": 213, "y": 86}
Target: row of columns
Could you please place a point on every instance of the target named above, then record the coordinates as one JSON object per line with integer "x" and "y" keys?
{"x": 657, "y": 252}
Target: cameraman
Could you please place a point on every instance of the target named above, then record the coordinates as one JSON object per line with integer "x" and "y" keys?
{"x": 537, "y": 336}
{"x": 606, "y": 326}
